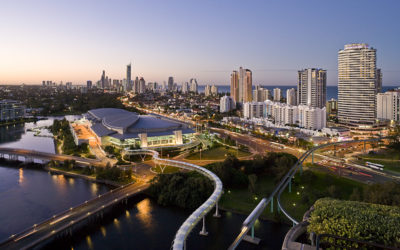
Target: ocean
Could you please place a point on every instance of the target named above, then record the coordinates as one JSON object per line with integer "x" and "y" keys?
{"x": 331, "y": 91}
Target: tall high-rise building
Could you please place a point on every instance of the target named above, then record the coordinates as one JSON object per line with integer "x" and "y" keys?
{"x": 358, "y": 85}
{"x": 193, "y": 85}
{"x": 185, "y": 87}
{"x": 136, "y": 87}
{"x": 170, "y": 83}
{"x": 207, "y": 90}
{"x": 291, "y": 96}
{"x": 245, "y": 85}
{"x": 235, "y": 86}
{"x": 311, "y": 87}
{"x": 89, "y": 84}
{"x": 277, "y": 94}
{"x": 242, "y": 85}
{"x": 103, "y": 80}
{"x": 378, "y": 80}
{"x": 128, "y": 77}
{"x": 142, "y": 85}
{"x": 260, "y": 94}
{"x": 214, "y": 90}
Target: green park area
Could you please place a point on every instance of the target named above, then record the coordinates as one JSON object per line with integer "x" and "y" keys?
{"x": 217, "y": 153}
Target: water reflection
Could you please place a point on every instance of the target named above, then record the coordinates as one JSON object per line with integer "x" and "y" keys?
{"x": 21, "y": 176}
{"x": 116, "y": 224}
{"x": 93, "y": 188}
{"x": 144, "y": 213}
{"x": 103, "y": 231}
{"x": 89, "y": 242}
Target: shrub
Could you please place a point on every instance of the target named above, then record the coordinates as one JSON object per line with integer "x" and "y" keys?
{"x": 356, "y": 220}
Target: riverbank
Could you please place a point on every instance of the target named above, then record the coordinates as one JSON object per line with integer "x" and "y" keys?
{"x": 19, "y": 121}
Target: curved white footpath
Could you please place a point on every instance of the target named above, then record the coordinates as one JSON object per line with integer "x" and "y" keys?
{"x": 197, "y": 215}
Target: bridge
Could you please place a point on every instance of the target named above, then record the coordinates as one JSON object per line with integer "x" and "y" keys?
{"x": 67, "y": 221}
{"x": 31, "y": 155}
{"x": 286, "y": 181}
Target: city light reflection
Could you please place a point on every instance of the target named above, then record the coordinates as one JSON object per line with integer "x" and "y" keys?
{"x": 21, "y": 176}
{"x": 144, "y": 213}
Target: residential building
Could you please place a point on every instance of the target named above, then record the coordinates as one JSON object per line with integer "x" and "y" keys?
{"x": 388, "y": 106}
{"x": 291, "y": 97}
{"x": 226, "y": 104}
{"x": 11, "y": 109}
{"x": 128, "y": 84}
{"x": 89, "y": 84}
{"x": 358, "y": 85}
{"x": 170, "y": 83}
{"x": 142, "y": 85}
{"x": 214, "y": 90}
{"x": 185, "y": 87}
{"x": 193, "y": 85}
{"x": 311, "y": 87}
{"x": 277, "y": 94}
{"x": 331, "y": 106}
{"x": 235, "y": 86}
{"x": 253, "y": 110}
{"x": 207, "y": 90}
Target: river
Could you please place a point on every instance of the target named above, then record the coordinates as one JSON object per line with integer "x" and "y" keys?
{"x": 28, "y": 196}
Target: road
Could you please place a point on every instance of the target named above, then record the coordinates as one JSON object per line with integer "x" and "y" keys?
{"x": 63, "y": 221}
{"x": 49, "y": 156}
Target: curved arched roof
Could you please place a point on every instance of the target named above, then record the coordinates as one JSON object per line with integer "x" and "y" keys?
{"x": 115, "y": 118}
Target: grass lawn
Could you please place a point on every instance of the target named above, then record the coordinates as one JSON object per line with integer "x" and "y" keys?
{"x": 167, "y": 169}
{"x": 292, "y": 201}
{"x": 218, "y": 153}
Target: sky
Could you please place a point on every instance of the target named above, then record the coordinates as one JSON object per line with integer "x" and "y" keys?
{"x": 70, "y": 40}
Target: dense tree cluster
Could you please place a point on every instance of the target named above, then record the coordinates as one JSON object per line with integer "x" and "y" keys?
{"x": 235, "y": 173}
{"x": 185, "y": 190}
{"x": 61, "y": 130}
{"x": 114, "y": 174}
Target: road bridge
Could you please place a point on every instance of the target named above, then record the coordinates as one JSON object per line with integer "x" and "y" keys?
{"x": 30, "y": 155}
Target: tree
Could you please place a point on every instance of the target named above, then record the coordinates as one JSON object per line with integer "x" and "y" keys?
{"x": 252, "y": 183}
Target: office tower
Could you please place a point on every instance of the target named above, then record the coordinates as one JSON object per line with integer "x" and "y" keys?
{"x": 291, "y": 96}
{"x": 378, "y": 80}
{"x": 388, "y": 106}
{"x": 142, "y": 85}
{"x": 207, "y": 90}
{"x": 357, "y": 85}
{"x": 193, "y": 85}
{"x": 128, "y": 76}
{"x": 170, "y": 83}
{"x": 185, "y": 87}
{"x": 235, "y": 86}
{"x": 89, "y": 84}
{"x": 311, "y": 87}
{"x": 277, "y": 94}
{"x": 103, "y": 80}
{"x": 245, "y": 85}
{"x": 214, "y": 90}
{"x": 226, "y": 104}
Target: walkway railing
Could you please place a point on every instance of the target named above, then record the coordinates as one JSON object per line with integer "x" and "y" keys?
{"x": 285, "y": 181}
{"x": 179, "y": 241}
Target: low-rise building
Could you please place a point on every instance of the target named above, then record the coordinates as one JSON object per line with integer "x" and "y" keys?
{"x": 11, "y": 109}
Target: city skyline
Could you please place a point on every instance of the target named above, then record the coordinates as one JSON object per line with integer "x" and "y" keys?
{"x": 48, "y": 44}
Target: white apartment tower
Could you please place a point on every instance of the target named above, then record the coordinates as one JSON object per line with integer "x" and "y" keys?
{"x": 277, "y": 94}
{"x": 291, "y": 97}
{"x": 388, "y": 106}
{"x": 358, "y": 85}
{"x": 226, "y": 104}
{"x": 311, "y": 87}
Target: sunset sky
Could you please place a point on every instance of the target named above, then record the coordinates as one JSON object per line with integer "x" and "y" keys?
{"x": 75, "y": 40}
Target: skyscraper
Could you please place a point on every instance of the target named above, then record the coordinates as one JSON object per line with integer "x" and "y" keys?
{"x": 311, "y": 87}
{"x": 89, "y": 84}
{"x": 193, "y": 85}
{"x": 245, "y": 85}
{"x": 103, "y": 80}
{"x": 142, "y": 85}
{"x": 128, "y": 82}
{"x": 235, "y": 86}
{"x": 358, "y": 84}
{"x": 185, "y": 87}
{"x": 291, "y": 97}
{"x": 207, "y": 90}
{"x": 277, "y": 94}
{"x": 170, "y": 83}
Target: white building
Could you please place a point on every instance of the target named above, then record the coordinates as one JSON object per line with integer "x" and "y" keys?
{"x": 193, "y": 85}
{"x": 226, "y": 104}
{"x": 207, "y": 90}
{"x": 185, "y": 87}
{"x": 311, "y": 87}
{"x": 302, "y": 115}
{"x": 291, "y": 97}
{"x": 214, "y": 90}
{"x": 277, "y": 94}
{"x": 387, "y": 106}
{"x": 253, "y": 110}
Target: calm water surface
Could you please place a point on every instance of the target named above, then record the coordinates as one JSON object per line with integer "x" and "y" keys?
{"x": 28, "y": 196}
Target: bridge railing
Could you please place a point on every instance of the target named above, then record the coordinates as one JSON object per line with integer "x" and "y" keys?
{"x": 281, "y": 187}
{"x": 179, "y": 241}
